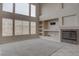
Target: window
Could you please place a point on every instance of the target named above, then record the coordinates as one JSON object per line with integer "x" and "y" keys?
{"x": 21, "y": 27}
{"x": 18, "y": 27}
{"x": 33, "y": 10}
{"x": 7, "y": 27}
{"x": 25, "y": 27}
{"x": 8, "y": 7}
{"x": 22, "y": 8}
{"x": 33, "y": 27}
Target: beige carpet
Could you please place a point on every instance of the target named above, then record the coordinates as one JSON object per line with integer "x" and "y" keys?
{"x": 34, "y": 47}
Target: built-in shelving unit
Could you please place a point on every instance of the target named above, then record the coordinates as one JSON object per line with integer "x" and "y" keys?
{"x": 47, "y": 26}
{"x": 40, "y": 27}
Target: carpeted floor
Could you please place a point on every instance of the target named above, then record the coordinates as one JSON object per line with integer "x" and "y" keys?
{"x": 34, "y": 47}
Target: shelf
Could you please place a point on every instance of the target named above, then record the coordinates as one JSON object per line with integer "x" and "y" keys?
{"x": 40, "y": 32}
{"x": 40, "y": 26}
{"x": 51, "y": 30}
{"x": 40, "y": 22}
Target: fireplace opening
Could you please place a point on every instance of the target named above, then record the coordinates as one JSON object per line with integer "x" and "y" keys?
{"x": 69, "y": 35}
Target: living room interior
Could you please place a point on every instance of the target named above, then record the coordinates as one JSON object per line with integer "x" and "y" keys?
{"x": 39, "y": 29}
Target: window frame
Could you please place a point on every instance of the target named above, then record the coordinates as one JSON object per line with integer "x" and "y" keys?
{"x": 13, "y": 16}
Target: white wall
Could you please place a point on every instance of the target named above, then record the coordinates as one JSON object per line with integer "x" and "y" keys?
{"x": 55, "y": 10}
{"x": 70, "y": 21}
